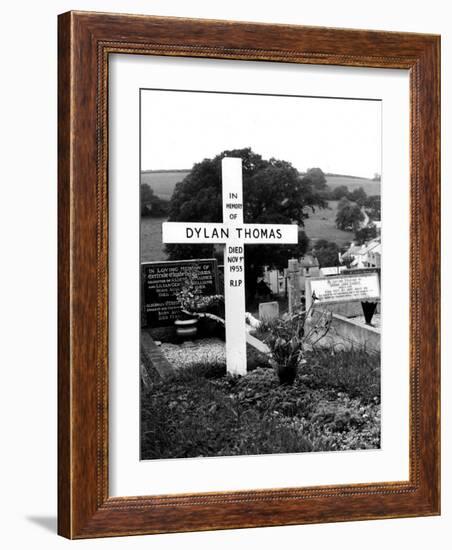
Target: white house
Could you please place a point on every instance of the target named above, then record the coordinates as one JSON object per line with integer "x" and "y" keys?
{"x": 365, "y": 255}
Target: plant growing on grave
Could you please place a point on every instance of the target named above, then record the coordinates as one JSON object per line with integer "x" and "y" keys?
{"x": 290, "y": 337}
{"x": 193, "y": 302}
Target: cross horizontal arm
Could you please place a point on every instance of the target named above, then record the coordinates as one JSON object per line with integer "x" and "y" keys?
{"x": 248, "y": 233}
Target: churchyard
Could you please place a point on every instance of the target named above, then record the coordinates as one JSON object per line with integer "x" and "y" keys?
{"x": 300, "y": 372}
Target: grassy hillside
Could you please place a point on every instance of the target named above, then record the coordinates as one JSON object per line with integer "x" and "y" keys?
{"x": 151, "y": 247}
{"x": 370, "y": 187}
{"x": 164, "y": 181}
{"x": 321, "y": 225}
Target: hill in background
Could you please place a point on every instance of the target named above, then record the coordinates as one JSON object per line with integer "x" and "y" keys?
{"x": 164, "y": 181}
{"x": 371, "y": 187}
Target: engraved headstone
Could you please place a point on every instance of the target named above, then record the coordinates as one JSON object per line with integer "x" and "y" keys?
{"x": 343, "y": 288}
{"x": 163, "y": 280}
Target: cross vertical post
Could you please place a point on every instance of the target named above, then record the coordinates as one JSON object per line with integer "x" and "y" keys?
{"x": 234, "y": 266}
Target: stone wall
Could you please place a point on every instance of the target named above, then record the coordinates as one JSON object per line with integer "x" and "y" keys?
{"x": 349, "y": 309}
{"x": 349, "y": 333}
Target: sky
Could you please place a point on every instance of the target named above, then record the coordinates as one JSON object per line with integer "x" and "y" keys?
{"x": 341, "y": 136}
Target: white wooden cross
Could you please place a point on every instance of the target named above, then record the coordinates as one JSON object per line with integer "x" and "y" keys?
{"x": 234, "y": 234}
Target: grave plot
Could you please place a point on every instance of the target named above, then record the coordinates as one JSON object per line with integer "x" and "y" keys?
{"x": 203, "y": 412}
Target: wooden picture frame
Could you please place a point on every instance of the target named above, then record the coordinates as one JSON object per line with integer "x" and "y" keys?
{"x": 86, "y": 40}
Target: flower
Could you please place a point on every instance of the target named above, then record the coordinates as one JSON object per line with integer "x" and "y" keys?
{"x": 190, "y": 295}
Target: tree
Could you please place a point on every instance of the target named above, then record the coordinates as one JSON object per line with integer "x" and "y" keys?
{"x": 317, "y": 179}
{"x": 326, "y": 252}
{"x": 273, "y": 192}
{"x": 349, "y": 216}
{"x": 150, "y": 204}
{"x": 365, "y": 234}
{"x": 340, "y": 191}
{"x": 358, "y": 195}
{"x": 146, "y": 196}
{"x": 373, "y": 207}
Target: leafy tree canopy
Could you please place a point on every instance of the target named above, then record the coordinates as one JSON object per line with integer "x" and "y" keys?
{"x": 317, "y": 179}
{"x": 150, "y": 204}
{"x": 326, "y": 252}
{"x": 373, "y": 207}
{"x": 349, "y": 216}
{"x": 358, "y": 195}
{"x": 338, "y": 192}
{"x": 365, "y": 234}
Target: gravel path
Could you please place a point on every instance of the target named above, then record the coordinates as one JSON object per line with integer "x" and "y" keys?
{"x": 189, "y": 353}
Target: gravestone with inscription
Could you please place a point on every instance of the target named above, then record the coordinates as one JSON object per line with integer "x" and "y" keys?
{"x": 353, "y": 287}
{"x": 163, "y": 280}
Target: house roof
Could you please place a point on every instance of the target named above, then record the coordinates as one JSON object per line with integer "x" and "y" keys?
{"x": 371, "y": 246}
{"x": 353, "y": 250}
{"x": 361, "y": 250}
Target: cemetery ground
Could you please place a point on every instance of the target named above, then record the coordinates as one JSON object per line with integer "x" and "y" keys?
{"x": 200, "y": 410}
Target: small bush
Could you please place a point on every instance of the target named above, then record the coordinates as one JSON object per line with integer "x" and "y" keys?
{"x": 288, "y": 337}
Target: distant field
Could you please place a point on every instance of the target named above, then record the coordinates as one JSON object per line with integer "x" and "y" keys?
{"x": 163, "y": 182}
{"x": 152, "y": 248}
{"x": 370, "y": 187}
{"x": 321, "y": 225}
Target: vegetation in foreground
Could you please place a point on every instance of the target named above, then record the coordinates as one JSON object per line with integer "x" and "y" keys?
{"x": 334, "y": 404}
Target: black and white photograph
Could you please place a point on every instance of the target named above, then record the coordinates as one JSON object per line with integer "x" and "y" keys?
{"x": 260, "y": 258}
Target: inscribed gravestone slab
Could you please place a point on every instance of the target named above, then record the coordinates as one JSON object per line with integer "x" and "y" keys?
{"x": 346, "y": 288}
{"x": 163, "y": 280}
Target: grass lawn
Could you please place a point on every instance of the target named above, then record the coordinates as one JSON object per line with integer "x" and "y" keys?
{"x": 333, "y": 405}
{"x": 371, "y": 187}
{"x": 163, "y": 182}
{"x": 321, "y": 224}
{"x": 152, "y": 248}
